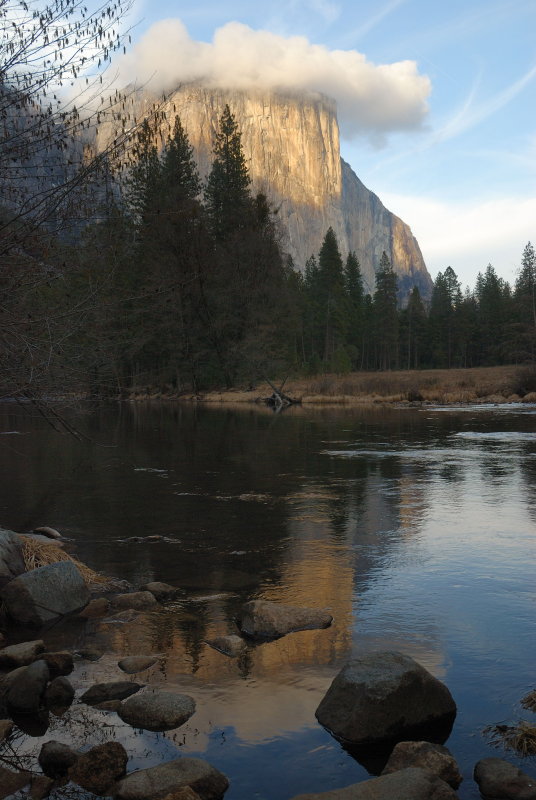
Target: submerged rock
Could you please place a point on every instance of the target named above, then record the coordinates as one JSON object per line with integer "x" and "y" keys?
{"x": 383, "y": 696}
{"x": 133, "y": 664}
{"x": 56, "y": 758}
{"x": 136, "y": 600}
{"x": 231, "y": 646}
{"x": 100, "y": 767}
{"x": 499, "y": 780}
{"x": 162, "y": 591}
{"x": 45, "y": 594}
{"x": 114, "y": 690}
{"x": 410, "y": 784}
{"x": 261, "y": 619}
{"x": 156, "y": 782}
{"x": 20, "y": 655}
{"x": 157, "y": 710}
{"x": 434, "y": 757}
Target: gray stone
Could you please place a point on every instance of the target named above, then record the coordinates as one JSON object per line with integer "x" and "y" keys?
{"x": 50, "y": 533}
{"x": 157, "y": 710}
{"x": 103, "y": 692}
{"x": 25, "y": 695}
{"x": 60, "y": 663}
{"x": 45, "y": 594}
{"x": 56, "y": 758}
{"x": 136, "y": 600}
{"x": 133, "y": 664}
{"x": 11, "y": 558}
{"x": 100, "y": 767}
{"x": 59, "y": 693}
{"x": 231, "y": 646}
{"x": 434, "y": 757}
{"x": 499, "y": 780}
{"x": 20, "y": 655}
{"x": 162, "y": 591}
{"x": 11, "y": 782}
{"x": 383, "y": 696}
{"x": 156, "y": 782}
{"x": 261, "y": 619}
{"x": 406, "y": 784}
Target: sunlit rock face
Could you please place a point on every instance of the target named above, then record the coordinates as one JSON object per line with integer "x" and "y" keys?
{"x": 291, "y": 143}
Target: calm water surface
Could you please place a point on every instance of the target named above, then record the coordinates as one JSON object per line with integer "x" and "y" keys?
{"x": 415, "y": 527}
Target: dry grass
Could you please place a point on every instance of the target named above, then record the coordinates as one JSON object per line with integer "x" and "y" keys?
{"x": 41, "y": 554}
{"x": 443, "y": 386}
{"x": 520, "y": 738}
{"x": 529, "y": 701}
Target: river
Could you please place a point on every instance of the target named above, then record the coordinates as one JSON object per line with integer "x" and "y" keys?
{"x": 415, "y": 527}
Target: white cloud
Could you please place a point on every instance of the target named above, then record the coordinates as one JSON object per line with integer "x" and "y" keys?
{"x": 371, "y": 98}
{"x": 468, "y": 236}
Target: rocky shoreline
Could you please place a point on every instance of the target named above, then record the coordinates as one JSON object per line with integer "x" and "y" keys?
{"x": 382, "y": 700}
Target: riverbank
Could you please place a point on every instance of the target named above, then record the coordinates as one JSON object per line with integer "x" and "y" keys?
{"x": 503, "y": 384}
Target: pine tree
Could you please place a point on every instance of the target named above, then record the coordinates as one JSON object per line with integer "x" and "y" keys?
{"x": 353, "y": 284}
{"x": 227, "y": 194}
{"x": 332, "y": 300}
{"x": 413, "y": 331}
{"x": 385, "y": 314}
{"x": 525, "y": 304}
{"x": 180, "y": 176}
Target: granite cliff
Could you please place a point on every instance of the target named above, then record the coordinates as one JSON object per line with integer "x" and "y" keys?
{"x": 291, "y": 143}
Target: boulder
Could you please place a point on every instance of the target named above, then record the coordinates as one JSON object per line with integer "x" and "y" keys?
{"x": 50, "y": 533}
{"x": 182, "y": 794}
{"x": 59, "y": 693}
{"x": 157, "y": 710}
{"x": 6, "y": 726}
{"x": 11, "y": 558}
{"x": 56, "y": 758}
{"x": 434, "y": 757}
{"x": 25, "y": 694}
{"x": 98, "y": 607}
{"x": 20, "y": 655}
{"x": 261, "y": 619}
{"x": 133, "y": 664}
{"x": 157, "y": 782}
{"x": 103, "y": 692}
{"x": 100, "y": 767}
{"x": 136, "y": 600}
{"x": 43, "y": 595}
{"x": 41, "y": 787}
{"x": 231, "y": 646}
{"x": 11, "y": 782}
{"x": 59, "y": 663}
{"x": 410, "y": 784}
{"x": 162, "y": 591}
{"x": 383, "y": 696}
{"x": 499, "y": 780}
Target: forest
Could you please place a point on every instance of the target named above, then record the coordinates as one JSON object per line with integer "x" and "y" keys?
{"x": 181, "y": 285}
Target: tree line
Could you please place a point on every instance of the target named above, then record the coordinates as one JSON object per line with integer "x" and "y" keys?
{"x": 183, "y": 285}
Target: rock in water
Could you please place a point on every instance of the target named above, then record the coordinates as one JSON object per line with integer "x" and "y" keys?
{"x": 100, "y": 767}
{"x": 383, "y": 696}
{"x": 59, "y": 693}
{"x": 499, "y": 780}
{"x": 11, "y": 558}
{"x": 56, "y": 758}
{"x": 20, "y": 655}
{"x": 114, "y": 690}
{"x": 406, "y": 784}
{"x": 162, "y": 591}
{"x": 11, "y": 782}
{"x": 45, "y": 594}
{"x": 133, "y": 664}
{"x": 261, "y": 619}
{"x": 25, "y": 695}
{"x": 231, "y": 646}
{"x": 137, "y": 600}
{"x": 433, "y": 757}
{"x": 156, "y": 782}
{"x": 157, "y": 710}
{"x": 60, "y": 663}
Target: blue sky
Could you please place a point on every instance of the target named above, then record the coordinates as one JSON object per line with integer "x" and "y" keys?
{"x": 451, "y": 148}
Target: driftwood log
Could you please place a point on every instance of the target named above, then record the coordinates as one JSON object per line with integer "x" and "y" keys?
{"x": 278, "y": 400}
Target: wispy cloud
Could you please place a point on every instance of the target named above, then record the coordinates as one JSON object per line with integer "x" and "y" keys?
{"x": 357, "y": 33}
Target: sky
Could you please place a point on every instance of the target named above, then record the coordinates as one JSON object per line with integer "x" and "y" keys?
{"x": 437, "y": 101}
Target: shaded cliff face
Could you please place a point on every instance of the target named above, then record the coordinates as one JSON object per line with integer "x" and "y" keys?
{"x": 291, "y": 144}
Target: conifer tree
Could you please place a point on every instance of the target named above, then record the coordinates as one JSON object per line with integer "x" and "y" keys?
{"x": 332, "y": 300}
{"x": 353, "y": 284}
{"x": 385, "y": 314}
{"x": 525, "y": 305}
{"x": 227, "y": 193}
